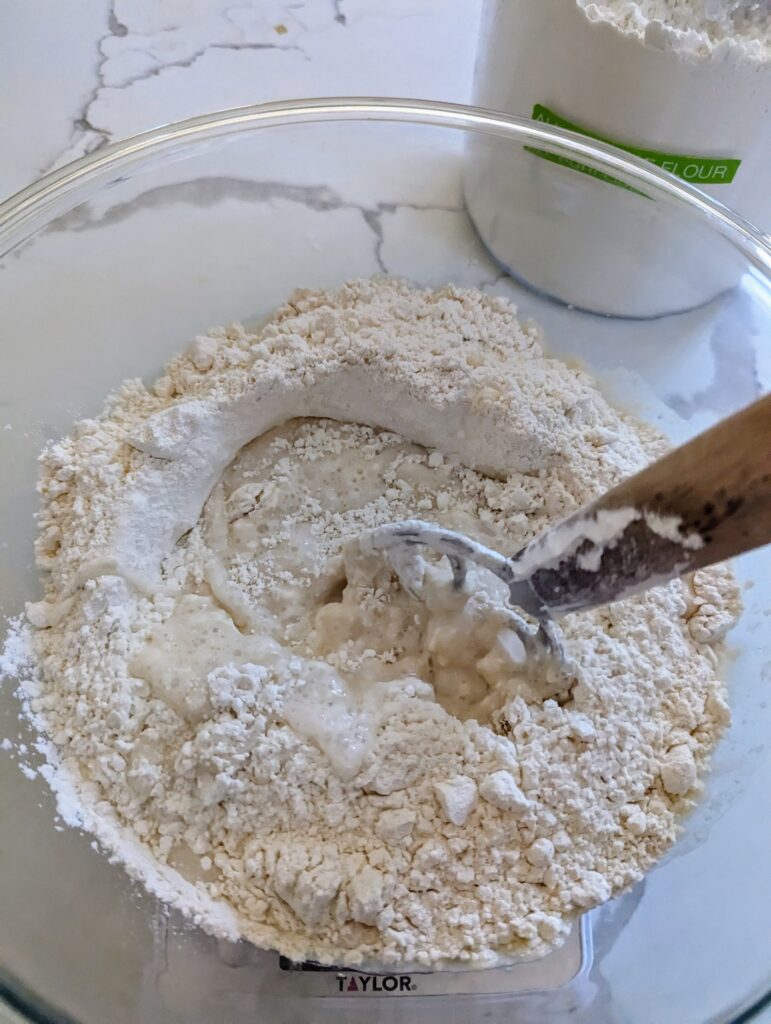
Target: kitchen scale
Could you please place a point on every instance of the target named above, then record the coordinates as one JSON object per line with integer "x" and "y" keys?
{"x": 207, "y": 980}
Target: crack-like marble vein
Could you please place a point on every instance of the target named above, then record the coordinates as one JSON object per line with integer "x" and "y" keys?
{"x": 188, "y": 62}
{"x": 207, "y": 192}
{"x": 374, "y": 221}
{"x": 117, "y": 28}
{"x": 204, "y": 192}
{"x": 337, "y": 7}
{"x": 81, "y": 124}
{"x": 86, "y": 136}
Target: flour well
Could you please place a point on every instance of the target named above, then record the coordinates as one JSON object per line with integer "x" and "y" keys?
{"x": 276, "y": 737}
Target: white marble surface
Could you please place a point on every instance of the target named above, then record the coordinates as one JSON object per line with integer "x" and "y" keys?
{"x": 76, "y": 75}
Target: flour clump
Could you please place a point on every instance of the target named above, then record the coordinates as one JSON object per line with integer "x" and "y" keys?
{"x": 268, "y": 729}
{"x": 700, "y": 28}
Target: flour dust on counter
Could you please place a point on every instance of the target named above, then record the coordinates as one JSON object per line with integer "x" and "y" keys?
{"x": 274, "y": 736}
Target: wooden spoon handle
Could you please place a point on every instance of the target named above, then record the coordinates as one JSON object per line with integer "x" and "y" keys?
{"x": 718, "y": 489}
{"x": 718, "y": 484}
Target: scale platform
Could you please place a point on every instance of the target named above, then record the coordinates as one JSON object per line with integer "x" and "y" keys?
{"x": 238, "y": 982}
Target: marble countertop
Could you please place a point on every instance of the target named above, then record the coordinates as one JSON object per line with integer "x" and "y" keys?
{"x": 80, "y": 74}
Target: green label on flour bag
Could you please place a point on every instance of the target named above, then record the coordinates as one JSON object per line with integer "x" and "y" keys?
{"x": 698, "y": 170}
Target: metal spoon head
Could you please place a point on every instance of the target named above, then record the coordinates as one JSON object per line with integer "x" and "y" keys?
{"x": 399, "y": 544}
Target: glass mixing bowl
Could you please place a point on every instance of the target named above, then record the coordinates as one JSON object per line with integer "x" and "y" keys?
{"x": 114, "y": 263}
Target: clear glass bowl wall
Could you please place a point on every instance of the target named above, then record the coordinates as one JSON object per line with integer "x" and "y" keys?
{"x": 114, "y": 264}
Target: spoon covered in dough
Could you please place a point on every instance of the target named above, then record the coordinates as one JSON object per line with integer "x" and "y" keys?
{"x": 706, "y": 501}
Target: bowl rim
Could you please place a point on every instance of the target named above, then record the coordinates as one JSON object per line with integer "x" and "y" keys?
{"x": 30, "y": 209}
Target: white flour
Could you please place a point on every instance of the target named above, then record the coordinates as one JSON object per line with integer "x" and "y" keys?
{"x": 701, "y": 28}
{"x": 267, "y": 730}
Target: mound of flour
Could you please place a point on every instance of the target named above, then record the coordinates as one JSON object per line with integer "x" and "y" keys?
{"x": 694, "y": 27}
{"x": 271, "y": 734}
